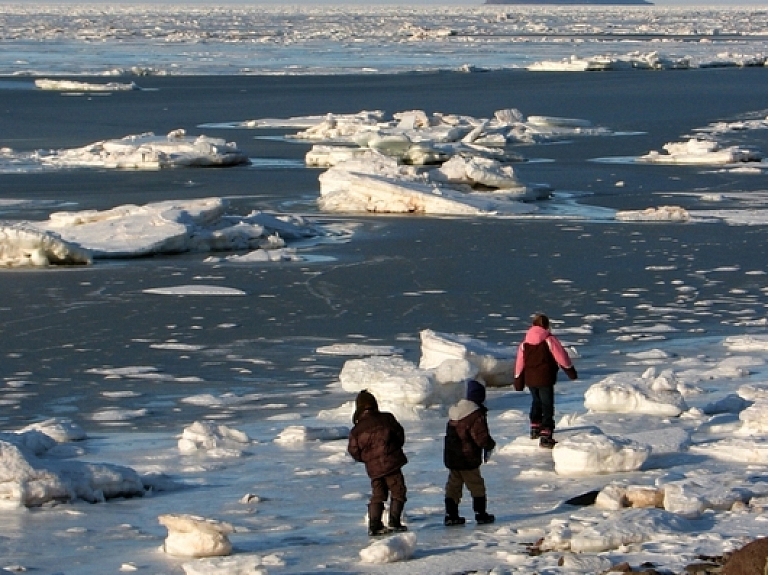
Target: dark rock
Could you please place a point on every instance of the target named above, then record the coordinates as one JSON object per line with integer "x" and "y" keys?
{"x": 584, "y": 499}
{"x": 620, "y": 568}
{"x": 752, "y": 559}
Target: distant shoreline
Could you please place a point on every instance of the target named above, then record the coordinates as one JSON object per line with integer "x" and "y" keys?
{"x": 573, "y": 2}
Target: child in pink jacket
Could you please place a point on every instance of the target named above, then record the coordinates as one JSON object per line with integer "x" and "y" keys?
{"x": 539, "y": 357}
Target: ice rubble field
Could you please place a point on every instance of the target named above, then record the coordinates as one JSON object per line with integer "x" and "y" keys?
{"x": 672, "y": 449}
{"x": 440, "y": 164}
{"x": 328, "y": 39}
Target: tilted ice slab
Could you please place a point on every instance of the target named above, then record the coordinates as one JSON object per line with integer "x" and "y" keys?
{"x": 413, "y": 391}
{"x": 494, "y": 363}
{"x": 404, "y": 388}
{"x": 74, "y": 86}
{"x": 399, "y": 385}
{"x": 629, "y": 393}
{"x": 149, "y": 152}
{"x": 24, "y": 245}
{"x": 198, "y": 225}
{"x": 378, "y": 184}
{"x": 702, "y": 152}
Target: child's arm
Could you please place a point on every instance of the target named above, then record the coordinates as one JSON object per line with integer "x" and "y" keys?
{"x": 561, "y": 357}
{"x": 354, "y": 448}
{"x": 481, "y": 435}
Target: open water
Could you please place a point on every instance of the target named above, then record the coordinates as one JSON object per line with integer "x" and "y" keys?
{"x": 397, "y": 275}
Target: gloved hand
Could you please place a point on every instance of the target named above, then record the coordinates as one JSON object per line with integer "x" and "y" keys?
{"x": 571, "y": 373}
{"x": 519, "y": 383}
{"x": 487, "y": 455}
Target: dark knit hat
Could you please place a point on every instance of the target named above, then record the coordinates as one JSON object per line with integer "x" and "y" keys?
{"x": 541, "y": 320}
{"x": 365, "y": 400}
{"x": 475, "y": 391}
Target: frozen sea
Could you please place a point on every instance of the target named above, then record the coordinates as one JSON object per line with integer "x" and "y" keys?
{"x": 132, "y": 351}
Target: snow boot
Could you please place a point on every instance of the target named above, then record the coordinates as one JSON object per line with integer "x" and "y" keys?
{"x": 535, "y": 430}
{"x": 395, "y": 513}
{"x": 545, "y": 439}
{"x": 375, "y": 526}
{"x": 478, "y": 506}
{"x": 452, "y": 516}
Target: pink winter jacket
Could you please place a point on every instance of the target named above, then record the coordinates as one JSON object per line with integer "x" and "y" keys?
{"x": 535, "y": 336}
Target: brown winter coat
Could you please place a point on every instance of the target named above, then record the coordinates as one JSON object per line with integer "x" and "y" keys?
{"x": 466, "y": 436}
{"x": 377, "y": 440}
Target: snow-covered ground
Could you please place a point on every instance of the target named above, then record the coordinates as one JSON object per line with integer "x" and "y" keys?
{"x": 669, "y": 450}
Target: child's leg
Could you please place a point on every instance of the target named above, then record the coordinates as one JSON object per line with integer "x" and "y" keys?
{"x": 379, "y": 490}
{"x": 454, "y": 485}
{"x": 535, "y": 414}
{"x": 547, "y": 399}
{"x": 396, "y": 484}
{"x": 476, "y": 486}
{"x": 379, "y": 494}
{"x": 453, "y": 490}
{"x": 475, "y": 482}
{"x": 547, "y": 396}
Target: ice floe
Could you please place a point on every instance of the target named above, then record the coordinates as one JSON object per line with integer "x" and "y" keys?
{"x": 31, "y": 475}
{"x": 149, "y": 152}
{"x": 625, "y": 393}
{"x": 75, "y": 86}
{"x": 698, "y": 151}
{"x": 214, "y": 440}
{"x": 193, "y": 536}
{"x": 169, "y": 227}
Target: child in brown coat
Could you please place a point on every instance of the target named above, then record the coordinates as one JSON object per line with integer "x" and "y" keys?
{"x": 377, "y": 440}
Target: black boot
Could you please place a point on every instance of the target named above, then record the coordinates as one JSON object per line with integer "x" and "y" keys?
{"x": 535, "y": 430}
{"x": 478, "y": 505}
{"x": 395, "y": 513}
{"x": 545, "y": 439}
{"x": 452, "y": 513}
{"x": 375, "y": 526}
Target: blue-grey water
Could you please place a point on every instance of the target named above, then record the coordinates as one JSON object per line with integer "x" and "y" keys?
{"x": 398, "y": 275}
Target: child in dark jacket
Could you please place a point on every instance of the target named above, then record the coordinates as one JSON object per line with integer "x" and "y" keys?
{"x": 468, "y": 443}
{"x": 539, "y": 357}
{"x": 377, "y": 440}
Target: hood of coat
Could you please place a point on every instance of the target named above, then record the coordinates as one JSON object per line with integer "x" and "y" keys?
{"x": 365, "y": 401}
{"x": 462, "y": 409}
{"x": 536, "y": 335}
